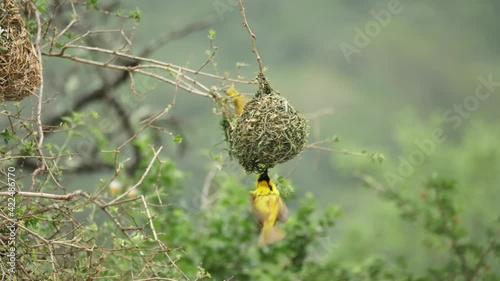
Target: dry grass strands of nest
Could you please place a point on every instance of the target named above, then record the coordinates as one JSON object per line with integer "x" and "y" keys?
{"x": 269, "y": 131}
{"x": 19, "y": 64}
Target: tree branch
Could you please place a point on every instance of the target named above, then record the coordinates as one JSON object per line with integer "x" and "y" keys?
{"x": 252, "y": 36}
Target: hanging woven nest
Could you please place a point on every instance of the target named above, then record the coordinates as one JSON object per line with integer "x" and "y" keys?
{"x": 268, "y": 132}
{"x": 19, "y": 64}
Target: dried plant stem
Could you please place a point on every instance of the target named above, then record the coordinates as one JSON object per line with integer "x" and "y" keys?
{"x": 157, "y": 240}
{"x": 39, "y": 108}
{"x": 252, "y": 36}
{"x": 168, "y": 66}
{"x": 64, "y": 197}
{"x": 113, "y": 202}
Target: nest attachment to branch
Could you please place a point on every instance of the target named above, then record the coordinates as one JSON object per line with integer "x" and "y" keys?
{"x": 19, "y": 64}
{"x": 268, "y": 132}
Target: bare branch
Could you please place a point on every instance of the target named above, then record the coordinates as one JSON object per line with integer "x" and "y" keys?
{"x": 252, "y": 36}
{"x": 113, "y": 202}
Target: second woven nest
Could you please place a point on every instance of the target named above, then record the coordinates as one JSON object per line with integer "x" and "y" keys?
{"x": 19, "y": 64}
{"x": 268, "y": 132}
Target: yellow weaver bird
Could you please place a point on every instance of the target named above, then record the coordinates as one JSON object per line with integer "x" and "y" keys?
{"x": 239, "y": 100}
{"x": 268, "y": 208}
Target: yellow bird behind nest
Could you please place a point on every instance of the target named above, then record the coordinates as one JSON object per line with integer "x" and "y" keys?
{"x": 268, "y": 208}
{"x": 239, "y": 100}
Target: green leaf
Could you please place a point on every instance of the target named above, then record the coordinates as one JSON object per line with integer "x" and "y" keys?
{"x": 28, "y": 148}
{"x": 7, "y": 136}
{"x": 211, "y": 34}
{"x": 177, "y": 139}
{"x": 92, "y": 4}
{"x": 136, "y": 14}
{"x": 41, "y": 5}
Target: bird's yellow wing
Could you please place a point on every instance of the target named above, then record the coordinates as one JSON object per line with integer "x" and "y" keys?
{"x": 283, "y": 211}
{"x": 266, "y": 208}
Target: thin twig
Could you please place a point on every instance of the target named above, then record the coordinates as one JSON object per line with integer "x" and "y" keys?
{"x": 158, "y": 241}
{"x": 189, "y": 88}
{"x": 65, "y": 197}
{"x": 252, "y": 36}
{"x": 39, "y": 107}
{"x": 341, "y": 151}
{"x": 50, "y": 247}
{"x": 113, "y": 202}
{"x": 168, "y": 66}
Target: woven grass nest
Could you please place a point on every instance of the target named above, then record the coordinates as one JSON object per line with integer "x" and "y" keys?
{"x": 19, "y": 64}
{"x": 268, "y": 132}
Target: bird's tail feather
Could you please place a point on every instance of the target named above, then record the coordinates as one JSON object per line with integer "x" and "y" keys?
{"x": 270, "y": 235}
